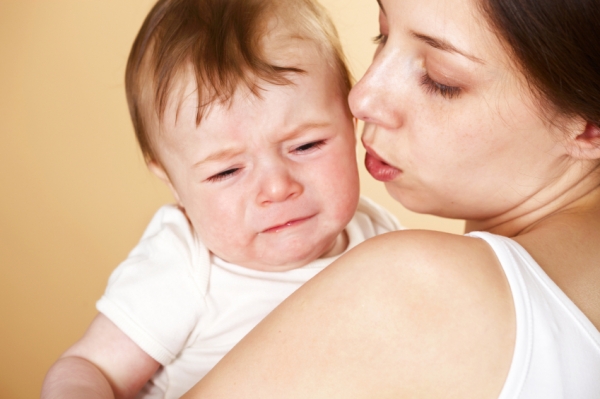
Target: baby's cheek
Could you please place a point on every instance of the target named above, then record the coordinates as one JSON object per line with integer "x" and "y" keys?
{"x": 346, "y": 202}
{"x": 226, "y": 243}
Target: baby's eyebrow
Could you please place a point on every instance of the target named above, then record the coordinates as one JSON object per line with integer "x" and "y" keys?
{"x": 443, "y": 45}
{"x": 231, "y": 152}
{"x": 218, "y": 155}
{"x": 298, "y": 130}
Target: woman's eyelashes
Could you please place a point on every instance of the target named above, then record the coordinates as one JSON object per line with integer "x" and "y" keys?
{"x": 380, "y": 39}
{"x": 431, "y": 86}
{"x": 226, "y": 174}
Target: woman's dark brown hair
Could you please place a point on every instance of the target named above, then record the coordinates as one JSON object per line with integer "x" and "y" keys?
{"x": 557, "y": 46}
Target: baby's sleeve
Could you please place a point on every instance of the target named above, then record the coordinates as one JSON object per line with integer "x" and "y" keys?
{"x": 380, "y": 220}
{"x": 156, "y": 296}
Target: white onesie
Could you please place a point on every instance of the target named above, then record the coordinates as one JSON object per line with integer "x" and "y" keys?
{"x": 187, "y": 308}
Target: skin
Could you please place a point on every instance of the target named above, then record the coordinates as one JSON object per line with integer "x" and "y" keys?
{"x": 481, "y": 123}
{"x": 264, "y": 186}
{"x": 426, "y": 314}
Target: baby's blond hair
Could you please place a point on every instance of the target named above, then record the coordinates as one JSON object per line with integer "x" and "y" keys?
{"x": 221, "y": 42}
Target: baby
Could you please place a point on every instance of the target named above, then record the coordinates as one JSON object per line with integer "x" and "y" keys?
{"x": 239, "y": 106}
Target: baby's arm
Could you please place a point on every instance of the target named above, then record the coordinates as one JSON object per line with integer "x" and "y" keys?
{"x": 104, "y": 363}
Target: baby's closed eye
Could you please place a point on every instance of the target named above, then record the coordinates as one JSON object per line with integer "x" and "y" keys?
{"x": 313, "y": 145}
{"x": 224, "y": 175}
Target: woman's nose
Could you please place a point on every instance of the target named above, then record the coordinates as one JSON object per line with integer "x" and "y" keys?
{"x": 277, "y": 184}
{"x": 374, "y": 98}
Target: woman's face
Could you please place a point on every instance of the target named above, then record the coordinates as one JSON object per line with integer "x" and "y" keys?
{"x": 449, "y": 125}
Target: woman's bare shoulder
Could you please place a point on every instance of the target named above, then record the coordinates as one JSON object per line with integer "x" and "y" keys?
{"x": 424, "y": 252}
{"x": 406, "y": 314}
{"x": 453, "y": 303}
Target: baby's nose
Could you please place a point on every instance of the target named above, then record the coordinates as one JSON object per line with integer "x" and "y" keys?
{"x": 277, "y": 185}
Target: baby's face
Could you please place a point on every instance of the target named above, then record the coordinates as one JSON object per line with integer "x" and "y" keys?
{"x": 268, "y": 183}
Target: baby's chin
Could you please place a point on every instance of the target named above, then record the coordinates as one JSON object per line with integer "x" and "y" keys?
{"x": 284, "y": 259}
{"x": 338, "y": 246}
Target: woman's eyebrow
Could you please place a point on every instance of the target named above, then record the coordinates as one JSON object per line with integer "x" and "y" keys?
{"x": 443, "y": 45}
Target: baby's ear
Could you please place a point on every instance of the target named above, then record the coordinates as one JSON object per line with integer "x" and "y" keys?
{"x": 585, "y": 143}
{"x": 160, "y": 172}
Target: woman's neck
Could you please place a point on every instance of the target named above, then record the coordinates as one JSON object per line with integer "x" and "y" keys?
{"x": 566, "y": 195}
{"x": 564, "y": 244}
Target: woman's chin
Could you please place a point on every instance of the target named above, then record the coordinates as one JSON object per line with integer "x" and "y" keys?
{"x": 414, "y": 202}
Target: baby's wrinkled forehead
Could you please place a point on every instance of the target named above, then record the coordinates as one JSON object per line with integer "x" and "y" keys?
{"x": 292, "y": 57}
{"x": 310, "y": 81}
{"x": 225, "y": 48}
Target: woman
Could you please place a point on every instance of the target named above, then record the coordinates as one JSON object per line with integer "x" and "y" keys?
{"x": 487, "y": 111}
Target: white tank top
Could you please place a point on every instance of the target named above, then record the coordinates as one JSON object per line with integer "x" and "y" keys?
{"x": 557, "y": 349}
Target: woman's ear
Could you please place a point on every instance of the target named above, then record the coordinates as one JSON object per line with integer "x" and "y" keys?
{"x": 160, "y": 172}
{"x": 585, "y": 143}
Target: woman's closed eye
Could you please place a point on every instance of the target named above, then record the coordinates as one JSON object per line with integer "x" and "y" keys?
{"x": 308, "y": 147}
{"x": 226, "y": 174}
{"x": 431, "y": 86}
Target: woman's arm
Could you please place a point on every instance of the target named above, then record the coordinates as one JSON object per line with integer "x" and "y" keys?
{"x": 105, "y": 363}
{"x": 407, "y": 314}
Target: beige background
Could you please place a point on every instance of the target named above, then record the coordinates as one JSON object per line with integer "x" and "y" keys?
{"x": 75, "y": 194}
